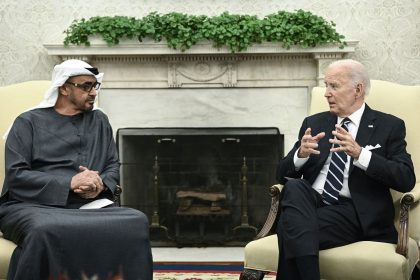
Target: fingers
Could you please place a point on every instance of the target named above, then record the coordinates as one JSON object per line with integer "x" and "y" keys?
{"x": 87, "y": 194}
{"x": 309, "y": 143}
{"x": 344, "y": 142}
{"x": 340, "y": 128}
{"x": 86, "y": 181}
{"x": 96, "y": 183}
{"x": 312, "y": 146}
{"x": 307, "y": 136}
{"x": 82, "y": 168}
{"x": 340, "y": 137}
{"x": 319, "y": 136}
{"x": 87, "y": 188}
{"x": 92, "y": 184}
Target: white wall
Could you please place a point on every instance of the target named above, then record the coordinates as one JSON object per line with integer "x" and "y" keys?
{"x": 388, "y": 30}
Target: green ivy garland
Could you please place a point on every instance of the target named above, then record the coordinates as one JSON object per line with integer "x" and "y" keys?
{"x": 237, "y": 32}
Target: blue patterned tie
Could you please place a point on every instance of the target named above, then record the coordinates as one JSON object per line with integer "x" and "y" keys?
{"x": 335, "y": 175}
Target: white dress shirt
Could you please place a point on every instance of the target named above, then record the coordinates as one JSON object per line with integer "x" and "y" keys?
{"x": 362, "y": 162}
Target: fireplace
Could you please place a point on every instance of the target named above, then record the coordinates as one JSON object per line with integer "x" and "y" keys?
{"x": 178, "y": 116}
{"x": 200, "y": 186}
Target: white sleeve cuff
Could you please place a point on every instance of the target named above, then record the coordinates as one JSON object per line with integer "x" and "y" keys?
{"x": 364, "y": 159}
{"x": 299, "y": 162}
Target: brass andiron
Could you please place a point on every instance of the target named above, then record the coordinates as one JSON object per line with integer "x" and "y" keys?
{"x": 155, "y": 227}
{"x": 245, "y": 227}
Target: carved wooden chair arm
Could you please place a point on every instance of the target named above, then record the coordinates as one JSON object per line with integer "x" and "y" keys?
{"x": 407, "y": 200}
{"x": 271, "y": 222}
{"x": 117, "y": 195}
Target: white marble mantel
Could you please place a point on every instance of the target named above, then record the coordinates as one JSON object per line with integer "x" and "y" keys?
{"x": 152, "y": 52}
{"x": 149, "y": 85}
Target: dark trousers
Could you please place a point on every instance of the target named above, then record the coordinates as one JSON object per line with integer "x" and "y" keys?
{"x": 307, "y": 225}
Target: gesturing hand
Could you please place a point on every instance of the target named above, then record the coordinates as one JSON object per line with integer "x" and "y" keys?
{"x": 309, "y": 143}
{"x": 87, "y": 183}
{"x": 345, "y": 142}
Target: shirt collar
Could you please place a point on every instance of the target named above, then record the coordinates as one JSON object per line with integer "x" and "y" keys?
{"x": 355, "y": 117}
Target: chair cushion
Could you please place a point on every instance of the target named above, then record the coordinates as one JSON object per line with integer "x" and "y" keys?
{"x": 262, "y": 254}
{"x": 6, "y": 251}
{"x": 374, "y": 260}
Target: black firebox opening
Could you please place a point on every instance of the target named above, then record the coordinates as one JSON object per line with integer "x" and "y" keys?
{"x": 200, "y": 186}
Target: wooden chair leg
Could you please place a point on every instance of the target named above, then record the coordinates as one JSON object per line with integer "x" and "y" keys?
{"x": 251, "y": 274}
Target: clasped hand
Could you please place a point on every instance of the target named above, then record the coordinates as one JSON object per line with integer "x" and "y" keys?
{"x": 87, "y": 183}
{"x": 344, "y": 140}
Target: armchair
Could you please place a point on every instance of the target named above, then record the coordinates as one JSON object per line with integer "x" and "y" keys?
{"x": 365, "y": 259}
{"x": 14, "y": 99}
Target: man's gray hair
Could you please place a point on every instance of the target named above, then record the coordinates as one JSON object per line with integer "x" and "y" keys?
{"x": 356, "y": 72}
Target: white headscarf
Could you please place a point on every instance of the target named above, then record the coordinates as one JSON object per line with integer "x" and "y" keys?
{"x": 61, "y": 73}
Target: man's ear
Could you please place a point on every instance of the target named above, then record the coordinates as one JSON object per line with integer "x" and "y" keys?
{"x": 63, "y": 90}
{"x": 359, "y": 90}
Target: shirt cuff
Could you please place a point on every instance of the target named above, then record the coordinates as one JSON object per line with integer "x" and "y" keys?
{"x": 364, "y": 159}
{"x": 299, "y": 162}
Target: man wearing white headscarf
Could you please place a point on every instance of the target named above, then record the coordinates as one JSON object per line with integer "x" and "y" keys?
{"x": 59, "y": 156}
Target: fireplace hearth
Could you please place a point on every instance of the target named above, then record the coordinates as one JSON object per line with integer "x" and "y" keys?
{"x": 199, "y": 186}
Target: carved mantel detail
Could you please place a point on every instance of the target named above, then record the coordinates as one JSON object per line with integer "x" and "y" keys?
{"x": 154, "y": 65}
{"x": 202, "y": 72}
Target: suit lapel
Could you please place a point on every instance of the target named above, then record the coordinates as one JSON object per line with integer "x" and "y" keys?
{"x": 366, "y": 128}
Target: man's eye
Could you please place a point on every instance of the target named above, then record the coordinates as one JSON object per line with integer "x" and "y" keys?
{"x": 86, "y": 86}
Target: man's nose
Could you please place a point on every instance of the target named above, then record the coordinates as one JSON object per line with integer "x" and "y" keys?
{"x": 93, "y": 92}
{"x": 327, "y": 92}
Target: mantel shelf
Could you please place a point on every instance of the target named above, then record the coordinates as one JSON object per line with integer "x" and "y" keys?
{"x": 150, "y": 48}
